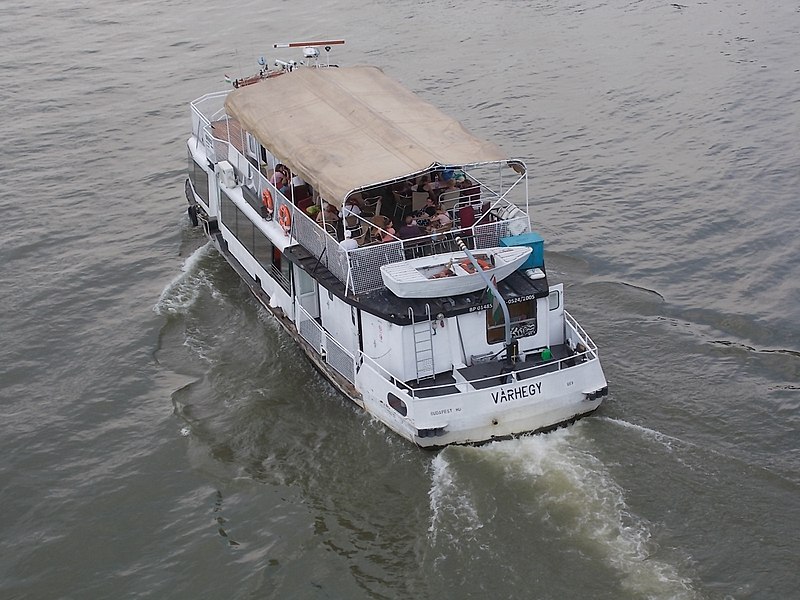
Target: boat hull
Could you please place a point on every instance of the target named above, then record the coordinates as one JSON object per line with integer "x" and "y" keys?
{"x": 478, "y": 416}
{"x": 496, "y": 413}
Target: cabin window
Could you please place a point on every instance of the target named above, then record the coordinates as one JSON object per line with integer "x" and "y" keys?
{"x": 199, "y": 178}
{"x": 263, "y": 250}
{"x": 229, "y": 211}
{"x": 242, "y": 227}
{"x": 286, "y": 272}
{"x": 554, "y": 299}
{"x": 252, "y": 145}
{"x": 280, "y": 269}
{"x": 245, "y": 231}
{"x": 523, "y": 321}
{"x": 397, "y": 404}
{"x": 256, "y": 243}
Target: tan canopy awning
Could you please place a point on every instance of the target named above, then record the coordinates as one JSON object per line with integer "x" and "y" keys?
{"x": 343, "y": 129}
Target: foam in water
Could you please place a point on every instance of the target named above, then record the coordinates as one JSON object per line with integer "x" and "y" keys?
{"x": 180, "y": 293}
{"x": 448, "y": 497}
{"x": 581, "y": 499}
{"x": 668, "y": 441}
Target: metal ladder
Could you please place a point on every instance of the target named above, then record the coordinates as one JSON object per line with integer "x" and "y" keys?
{"x": 423, "y": 344}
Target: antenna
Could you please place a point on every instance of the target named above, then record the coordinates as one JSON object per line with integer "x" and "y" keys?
{"x": 310, "y": 52}
{"x": 309, "y": 44}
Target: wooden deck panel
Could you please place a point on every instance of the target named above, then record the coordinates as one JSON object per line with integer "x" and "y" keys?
{"x": 229, "y": 130}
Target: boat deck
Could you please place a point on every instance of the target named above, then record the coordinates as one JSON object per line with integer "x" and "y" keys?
{"x": 442, "y": 379}
{"x": 492, "y": 373}
{"x": 498, "y": 372}
{"x": 229, "y": 130}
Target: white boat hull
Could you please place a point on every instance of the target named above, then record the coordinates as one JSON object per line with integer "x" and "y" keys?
{"x": 488, "y": 414}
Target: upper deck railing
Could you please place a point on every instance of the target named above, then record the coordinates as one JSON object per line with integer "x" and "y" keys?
{"x": 206, "y": 110}
{"x": 359, "y": 269}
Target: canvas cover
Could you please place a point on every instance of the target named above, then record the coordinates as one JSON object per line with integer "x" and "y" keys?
{"x": 343, "y": 129}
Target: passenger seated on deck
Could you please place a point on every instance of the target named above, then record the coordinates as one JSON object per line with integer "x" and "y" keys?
{"x": 444, "y": 182}
{"x": 423, "y": 184}
{"x": 280, "y": 178}
{"x": 348, "y": 243}
{"x": 424, "y": 214}
{"x": 328, "y": 213}
{"x": 351, "y": 207}
{"x": 388, "y": 233}
{"x": 409, "y": 229}
{"x": 404, "y": 188}
{"x": 440, "y": 221}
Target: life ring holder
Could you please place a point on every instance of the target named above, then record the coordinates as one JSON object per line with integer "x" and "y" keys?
{"x": 285, "y": 218}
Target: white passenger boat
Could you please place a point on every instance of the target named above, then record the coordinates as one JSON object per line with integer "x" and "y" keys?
{"x": 451, "y": 274}
{"x": 438, "y": 367}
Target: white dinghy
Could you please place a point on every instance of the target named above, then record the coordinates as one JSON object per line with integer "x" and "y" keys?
{"x": 452, "y": 273}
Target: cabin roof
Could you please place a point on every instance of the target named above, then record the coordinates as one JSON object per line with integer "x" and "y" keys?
{"x": 344, "y": 129}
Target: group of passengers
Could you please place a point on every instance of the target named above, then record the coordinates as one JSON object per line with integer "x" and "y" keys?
{"x": 354, "y": 229}
{"x": 431, "y": 219}
{"x": 437, "y": 183}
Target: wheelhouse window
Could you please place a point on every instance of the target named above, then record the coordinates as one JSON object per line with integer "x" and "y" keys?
{"x": 523, "y": 321}
{"x": 199, "y": 178}
{"x": 554, "y": 299}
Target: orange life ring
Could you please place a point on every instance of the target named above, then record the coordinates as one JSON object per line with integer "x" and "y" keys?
{"x": 284, "y": 217}
{"x": 266, "y": 200}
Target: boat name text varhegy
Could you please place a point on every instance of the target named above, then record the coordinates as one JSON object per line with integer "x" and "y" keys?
{"x": 522, "y": 391}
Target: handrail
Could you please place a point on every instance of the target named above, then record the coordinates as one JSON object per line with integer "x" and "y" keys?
{"x": 590, "y": 354}
{"x": 327, "y": 341}
{"x": 582, "y": 335}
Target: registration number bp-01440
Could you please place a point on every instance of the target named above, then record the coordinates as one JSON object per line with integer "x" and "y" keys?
{"x": 517, "y": 393}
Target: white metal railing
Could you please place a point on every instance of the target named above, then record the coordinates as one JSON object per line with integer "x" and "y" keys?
{"x": 336, "y": 355}
{"x": 589, "y": 354}
{"x": 580, "y": 333}
{"x": 364, "y": 263}
{"x": 207, "y": 109}
{"x": 303, "y": 229}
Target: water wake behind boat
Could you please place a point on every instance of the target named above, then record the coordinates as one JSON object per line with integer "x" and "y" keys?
{"x": 563, "y": 491}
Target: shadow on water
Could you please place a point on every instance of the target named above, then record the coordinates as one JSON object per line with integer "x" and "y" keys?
{"x": 259, "y": 421}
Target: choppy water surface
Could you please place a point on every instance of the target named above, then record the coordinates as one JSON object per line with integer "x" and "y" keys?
{"x": 162, "y": 437}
